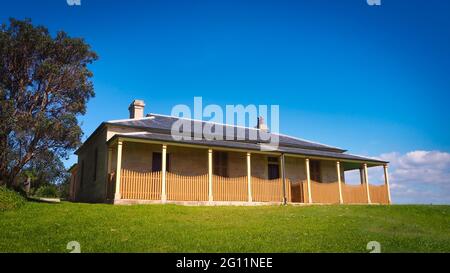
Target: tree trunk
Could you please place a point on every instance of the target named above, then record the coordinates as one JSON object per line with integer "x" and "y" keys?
{"x": 3, "y": 157}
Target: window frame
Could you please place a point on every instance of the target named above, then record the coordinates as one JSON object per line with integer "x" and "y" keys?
{"x": 271, "y": 162}
{"x": 315, "y": 170}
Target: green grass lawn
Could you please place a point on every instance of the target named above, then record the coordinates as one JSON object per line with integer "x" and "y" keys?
{"x": 39, "y": 227}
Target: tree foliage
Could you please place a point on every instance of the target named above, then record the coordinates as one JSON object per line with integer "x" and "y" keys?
{"x": 45, "y": 84}
{"x": 45, "y": 169}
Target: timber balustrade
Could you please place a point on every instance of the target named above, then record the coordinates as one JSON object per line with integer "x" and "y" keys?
{"x": 187, "y": 188}
{"x": 148, "y": 186}
{"x": 325, "y": 193}
{"x": 230, "y": 188}
{"x": 140, "y": 185}
{"x": 378, "y": 194}
{"x": 354, "y": 194}
{"x": 328, "y": 193}
{"x": 264, "y": 190}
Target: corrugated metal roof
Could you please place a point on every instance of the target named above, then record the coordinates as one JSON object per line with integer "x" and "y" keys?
{"x": 163, "y": 124}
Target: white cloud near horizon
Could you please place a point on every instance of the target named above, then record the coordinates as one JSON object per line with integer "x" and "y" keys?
{"x": 421, "y": 177}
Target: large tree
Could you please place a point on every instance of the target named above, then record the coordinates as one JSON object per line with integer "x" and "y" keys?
{"x": 45, "y": 169}
{"x": 45, "y": 84}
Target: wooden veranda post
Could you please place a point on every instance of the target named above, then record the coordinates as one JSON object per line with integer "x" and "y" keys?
{"x": 283, "y": 178}
{"x": 117, "y": 194}
{"x": 338, "y": 169}
{"x": 386, "y": 181}
{"x": 308, "y": 179}
{"x": 249, "y": 177}
{"x": 366, "y": 180}
{"x": 210, "y": 173}
{"x": 163, "y": 173}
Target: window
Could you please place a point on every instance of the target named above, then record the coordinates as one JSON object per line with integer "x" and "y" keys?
{"x": 220, "y": 163}
{"x": 157, "y": 162}
{"x": 94, "y": 175}
{"x": 273, "y": 170}
{"x": 314, "y": 167}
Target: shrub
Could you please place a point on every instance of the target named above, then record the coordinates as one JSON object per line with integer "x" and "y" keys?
{"x": 9, "y": 199}
{"x": 47, "y": 191}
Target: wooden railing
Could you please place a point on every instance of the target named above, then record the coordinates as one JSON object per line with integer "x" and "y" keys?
{"x": 148, "y": 186}
{"x": 230, "y": 188}
{"x": 264, "y": 190}
{"x": 378, "y": 194}
{"x": 326, "y": 193}
{"x": 187, "y": 188}
{"x": 354, "y": 194}
{"x": 140, "y": 185}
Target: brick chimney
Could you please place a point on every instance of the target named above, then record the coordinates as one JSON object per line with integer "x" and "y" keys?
{"x": 261, "y": 125}
{"x": 136, "y": 109}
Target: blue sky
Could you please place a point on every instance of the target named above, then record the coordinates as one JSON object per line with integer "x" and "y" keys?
{"x": 371, "y": 79}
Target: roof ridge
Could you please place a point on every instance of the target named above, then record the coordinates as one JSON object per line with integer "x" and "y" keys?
{"x": 128, "y": 119}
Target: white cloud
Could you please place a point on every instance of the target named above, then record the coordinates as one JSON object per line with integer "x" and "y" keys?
{"x": 415, "y": 177}
{"x": 419, "y": 176}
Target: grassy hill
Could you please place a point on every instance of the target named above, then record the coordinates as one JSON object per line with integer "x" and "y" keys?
{"x": 10, "y": 199}
{"x": 38, "y": 227}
